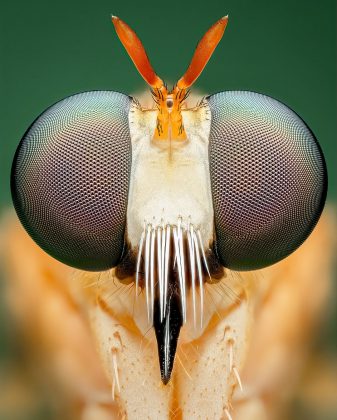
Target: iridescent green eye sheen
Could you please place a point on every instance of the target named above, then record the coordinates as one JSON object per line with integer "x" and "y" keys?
{"x": 70, "y": 179}
{"x": 268, "y": 179}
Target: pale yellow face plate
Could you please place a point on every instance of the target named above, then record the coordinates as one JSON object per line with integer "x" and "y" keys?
{"x": 162, "y": 189}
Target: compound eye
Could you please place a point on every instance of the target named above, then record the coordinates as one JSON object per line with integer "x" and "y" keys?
{"x": 268, "y": 179}
{"x": 70, "y": 179}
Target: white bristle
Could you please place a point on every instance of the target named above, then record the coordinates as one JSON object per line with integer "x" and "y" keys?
{"x": 160, "y": 272}
{"x": 167, "y": 259}
{"x": 140, "y": 250}
{"x": 147, "y": 270}
{"x": 152, "y": 272}
{"x": 201, "y": 286}
{"x": 203, "y": 252}
{"x": 192, "y": 267}
{"x": 154, "y": 246}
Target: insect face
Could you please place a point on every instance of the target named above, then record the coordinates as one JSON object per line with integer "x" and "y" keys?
{"x": 169, "y": 196}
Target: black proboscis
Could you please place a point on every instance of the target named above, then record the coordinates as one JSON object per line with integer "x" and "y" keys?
{"x": 167, "y": 332}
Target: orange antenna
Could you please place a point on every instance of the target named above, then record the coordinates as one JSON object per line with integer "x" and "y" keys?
{"x": 203, "y": 53}
{"x": 137, "y": 53}
{"x": 170, "y": 125}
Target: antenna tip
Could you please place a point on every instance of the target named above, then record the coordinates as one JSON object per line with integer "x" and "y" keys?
{"x": 113, "y": 17}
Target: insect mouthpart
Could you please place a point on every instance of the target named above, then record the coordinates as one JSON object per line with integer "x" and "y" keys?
{"x": 172, "y": 265}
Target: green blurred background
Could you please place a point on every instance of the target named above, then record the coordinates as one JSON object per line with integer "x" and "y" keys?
{"x": 52, "y": 49}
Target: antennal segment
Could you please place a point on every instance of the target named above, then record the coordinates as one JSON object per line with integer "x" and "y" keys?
{"x": 137, "y": 53}
{"x": 203, "y": 53}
